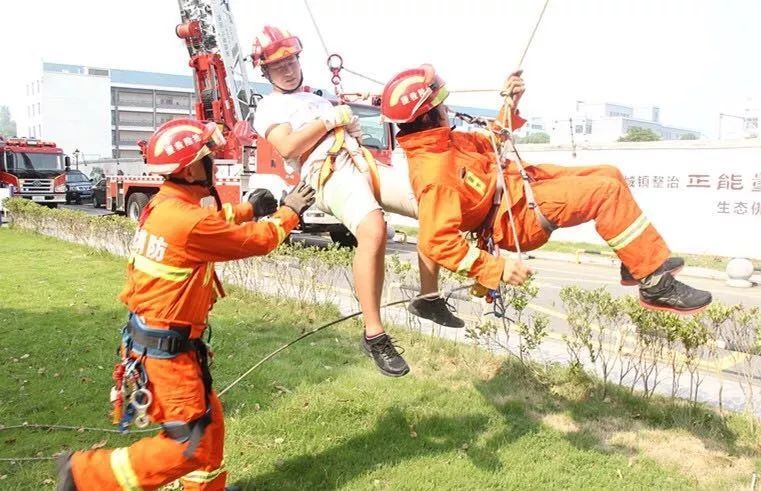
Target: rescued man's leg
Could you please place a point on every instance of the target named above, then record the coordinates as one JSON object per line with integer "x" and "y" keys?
{"x": 672, "y": 265}
{"x": 348, "y": 196}
{"x": 572, "y": 200}
{"x": 430, "y": 305}
{"x": 369, "y": 268}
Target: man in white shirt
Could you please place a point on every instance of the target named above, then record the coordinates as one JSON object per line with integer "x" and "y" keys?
{"x": 307, "y": 130}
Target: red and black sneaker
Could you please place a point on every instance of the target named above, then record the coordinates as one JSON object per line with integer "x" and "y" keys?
{"x": 671, "y": 295}
{"x": 672, "y": 265}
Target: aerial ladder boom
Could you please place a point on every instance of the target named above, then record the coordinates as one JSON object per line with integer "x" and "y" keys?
{"x": 222, "y": 86}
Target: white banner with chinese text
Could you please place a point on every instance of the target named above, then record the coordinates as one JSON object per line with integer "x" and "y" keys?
{"x": 703, "y": 197}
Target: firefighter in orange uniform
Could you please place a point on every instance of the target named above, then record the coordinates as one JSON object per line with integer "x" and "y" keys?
{"x": 455, "y": 180}
{"x": 171, "y": 287}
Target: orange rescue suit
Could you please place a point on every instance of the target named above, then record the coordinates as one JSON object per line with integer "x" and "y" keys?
{"x": 453, "y": 176}
{"x": 171, "y": 281}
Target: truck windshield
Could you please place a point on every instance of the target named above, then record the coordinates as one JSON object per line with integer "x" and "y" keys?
{"x": 76, "y": 178}
{"x": 373, "y": 131}
{"x": 32, "y": 161}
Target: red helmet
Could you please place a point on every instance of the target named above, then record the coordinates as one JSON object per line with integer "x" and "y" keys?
{"x": 411, "y": 94}
{"x": 274, "y": 44}
{"x": 178, "y": 143}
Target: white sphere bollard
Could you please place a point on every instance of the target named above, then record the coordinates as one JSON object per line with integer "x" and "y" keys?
{"x": 739, "y": 271}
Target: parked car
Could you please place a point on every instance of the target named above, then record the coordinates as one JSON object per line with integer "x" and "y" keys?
{"x": 99, "y": 192}
{"x": 78, "y": 187}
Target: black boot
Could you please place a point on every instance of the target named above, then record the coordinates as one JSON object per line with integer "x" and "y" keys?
{"x": 436, "y": 310}
{"x": 672, "y": 265}
{"x": 386, "y": 357}
{"x": 65, "y": 477}
{"x": 670, "y": 295}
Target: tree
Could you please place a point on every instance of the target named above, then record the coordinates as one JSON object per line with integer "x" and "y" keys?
{"x": 7, "y": 125}
{"x": 534, "y": 138}
{"x": 637, "y": 134}
{"x": 689, "y": 136}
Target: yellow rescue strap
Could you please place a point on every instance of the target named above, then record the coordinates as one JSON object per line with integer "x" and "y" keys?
{"x": 339, "y": 144}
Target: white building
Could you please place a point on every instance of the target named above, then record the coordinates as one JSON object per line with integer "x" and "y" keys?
{"x": 103, "y": 112}
{"x": 741, "y": 123}
{"x": 606, "y": 122}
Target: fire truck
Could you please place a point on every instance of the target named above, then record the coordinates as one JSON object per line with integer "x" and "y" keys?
{"x": 33, "y": 169}
{"x": 225, "y": 96}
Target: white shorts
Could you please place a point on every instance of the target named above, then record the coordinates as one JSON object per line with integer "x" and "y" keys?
{"x": 348, "y": 192}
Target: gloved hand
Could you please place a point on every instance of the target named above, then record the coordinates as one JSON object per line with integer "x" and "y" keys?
{"x": 263, "y": 201}
{"x": 354, "y": 128}
{"x": 300, "y": 198}
{"x": 340, "y": 115}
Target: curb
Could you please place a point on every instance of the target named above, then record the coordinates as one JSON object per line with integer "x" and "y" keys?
{"x": 600, "y": 259}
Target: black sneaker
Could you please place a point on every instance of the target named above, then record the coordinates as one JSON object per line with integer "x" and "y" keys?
{"x": 672, "y": 265}
{"x": 65, "y": 477}
{"x": 386, "y": 357}
{"x": 436, "y": 310}
{"x": 671, "y": 295}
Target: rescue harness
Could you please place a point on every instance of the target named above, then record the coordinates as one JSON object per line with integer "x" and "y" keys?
{"x": 130, "y": 395}
{"x": 485, "y": 232}
{"x": 339, "y": 145}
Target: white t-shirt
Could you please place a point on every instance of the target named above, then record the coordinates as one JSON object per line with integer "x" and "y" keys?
{"x": 297, "y": 109}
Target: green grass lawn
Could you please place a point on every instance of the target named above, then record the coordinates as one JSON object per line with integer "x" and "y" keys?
{"x": 319, "y": 416}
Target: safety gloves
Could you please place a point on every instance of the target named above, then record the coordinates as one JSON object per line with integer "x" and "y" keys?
{"x": 342, "y": 115}
{"x": 300, "y": 198}
{"x": 263, "y": 201}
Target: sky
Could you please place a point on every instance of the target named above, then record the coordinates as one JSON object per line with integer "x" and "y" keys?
{"x": 692, "y": 58}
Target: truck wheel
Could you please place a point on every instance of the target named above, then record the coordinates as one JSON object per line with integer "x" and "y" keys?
{"x": 135, "y": 205}
{"x": 343, "y": 237}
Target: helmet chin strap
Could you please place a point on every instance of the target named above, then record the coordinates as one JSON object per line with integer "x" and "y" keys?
{"x": 208, "y": 183}
{"x": 208, "y": 166}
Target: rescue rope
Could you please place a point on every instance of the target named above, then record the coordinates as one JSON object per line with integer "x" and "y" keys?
{"x": 73, "y": 428}
{"x": 327, "y": 51}
{"x": 220, "y": 393}
{"x": 508, "y": 116}
{"x": 25, "y": 459}
{"x": 63, "y": 427}
{"x": 466, "y": 91}
{"x": 346, "y": 317}
{"x": 291, "y": 343}
{"x": 531, "y": 38}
